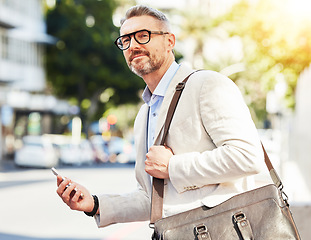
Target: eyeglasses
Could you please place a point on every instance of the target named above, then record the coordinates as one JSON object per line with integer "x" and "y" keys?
{"x": 142, "y": 37}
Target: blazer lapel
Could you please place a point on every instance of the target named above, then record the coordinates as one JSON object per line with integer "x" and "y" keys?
{"x": 141, "y": 148}
{"x": 180, "y": 75}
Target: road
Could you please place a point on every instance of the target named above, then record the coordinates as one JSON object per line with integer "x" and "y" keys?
{"x": 30, "y": 209}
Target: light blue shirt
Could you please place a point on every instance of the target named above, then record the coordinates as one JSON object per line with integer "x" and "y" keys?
{"x": 154, "y": 101}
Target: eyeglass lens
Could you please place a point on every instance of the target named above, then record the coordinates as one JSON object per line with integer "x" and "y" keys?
{"x": 142, "y": 37}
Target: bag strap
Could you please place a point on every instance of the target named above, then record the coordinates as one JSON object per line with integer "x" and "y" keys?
{"x": 158, "y": 184}
{"x": 273, "y": 174}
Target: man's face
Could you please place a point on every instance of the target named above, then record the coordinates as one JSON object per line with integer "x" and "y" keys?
{"x": 143, "y": 59}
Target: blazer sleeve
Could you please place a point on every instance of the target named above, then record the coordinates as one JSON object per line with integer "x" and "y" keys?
{"x": 134, "y": 206}
{"x": 131, "y": 207}
{"x": 228, "y": 123}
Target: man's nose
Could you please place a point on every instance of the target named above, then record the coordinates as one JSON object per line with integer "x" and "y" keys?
{"x": 134, "y": 44}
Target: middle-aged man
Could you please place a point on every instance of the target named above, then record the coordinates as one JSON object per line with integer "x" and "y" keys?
{"x": 212, "y": 149}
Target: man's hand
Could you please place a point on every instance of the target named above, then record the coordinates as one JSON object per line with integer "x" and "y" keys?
{"x": 74, "y": 195}
{"x": 157, "y": 161}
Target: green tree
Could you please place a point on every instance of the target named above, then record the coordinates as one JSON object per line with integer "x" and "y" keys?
{"x": 84, "y": 65}
{"x": 198, "y": 25}
{"x": 275, "y": 44}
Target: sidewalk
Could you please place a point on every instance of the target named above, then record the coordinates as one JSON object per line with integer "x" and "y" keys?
{"x": 301, "y": 211}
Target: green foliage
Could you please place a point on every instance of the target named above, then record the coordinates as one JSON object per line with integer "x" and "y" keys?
{"x": 276, "y": 45}
{"x": 84, "y": 61}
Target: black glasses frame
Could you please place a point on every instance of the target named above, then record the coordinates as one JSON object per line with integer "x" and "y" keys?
{"x": 119, "y": 44}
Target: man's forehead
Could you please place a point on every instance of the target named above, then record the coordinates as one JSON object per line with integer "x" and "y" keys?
{"x": 138, "y": 23}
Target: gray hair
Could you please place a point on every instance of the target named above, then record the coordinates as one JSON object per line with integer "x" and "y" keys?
{"x": 141, "y": 10}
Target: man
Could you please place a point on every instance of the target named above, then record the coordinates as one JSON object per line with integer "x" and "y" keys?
{"x": 212, "y": 149}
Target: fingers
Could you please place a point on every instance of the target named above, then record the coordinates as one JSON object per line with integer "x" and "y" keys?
{"x": 61, "y": 183}
{"x": 157, "y": 161}
{"x": 59, "y": 180}
{"x": 64, "y": 189}
{"x": 159, "y": 154}
{"x": 77, "y": 196}
{"x": 74, "y": 195}
{"x": 70, "y": 194}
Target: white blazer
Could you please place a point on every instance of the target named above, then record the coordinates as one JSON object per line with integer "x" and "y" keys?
{"x": 216, "y": 150}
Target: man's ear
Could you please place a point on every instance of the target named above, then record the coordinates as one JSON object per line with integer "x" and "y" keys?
{"x": 171, "y": 41}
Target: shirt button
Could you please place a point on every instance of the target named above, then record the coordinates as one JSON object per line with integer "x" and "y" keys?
{"x": 154, "y": 114}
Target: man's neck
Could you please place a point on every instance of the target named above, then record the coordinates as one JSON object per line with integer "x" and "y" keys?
{"x": 152, "y": 79}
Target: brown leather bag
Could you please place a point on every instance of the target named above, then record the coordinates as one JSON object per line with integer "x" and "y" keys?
{"x": 260, "y": 214}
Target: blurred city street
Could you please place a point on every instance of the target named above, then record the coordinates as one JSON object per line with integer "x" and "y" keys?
{"x": 68, "y": 100}
{"x": 31, "y": 209}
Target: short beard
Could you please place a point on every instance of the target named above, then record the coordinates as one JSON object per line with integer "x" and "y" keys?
{"x": 151, "y": 66}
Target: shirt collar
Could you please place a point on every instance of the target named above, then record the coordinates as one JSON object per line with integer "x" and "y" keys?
{"x": 163, "y": 84}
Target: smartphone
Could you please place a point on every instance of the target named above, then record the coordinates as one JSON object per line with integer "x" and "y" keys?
{"x": 56, "y": 174}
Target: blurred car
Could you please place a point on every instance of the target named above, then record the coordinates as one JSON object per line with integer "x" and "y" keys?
{"x": 100, "y": 147}
{"x": 77, "y": 154}
{"x": 121, "y": 150}
{"x": 88, "y": 155}
{"x": 36, "y": 151}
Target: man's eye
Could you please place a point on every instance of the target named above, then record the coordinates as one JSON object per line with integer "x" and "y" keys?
{"x": 143, "y": 35}
{"x": 125, "y": 40}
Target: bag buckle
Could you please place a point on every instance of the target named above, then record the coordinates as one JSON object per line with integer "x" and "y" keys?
{"x": 202, "y": 232}
{"x": 243, "y": 225}
{"x": 180, "y": 86}
{"x": 285, "y": 197}
{"x": 239, "y": 217}
{"x": 200, "y": 229}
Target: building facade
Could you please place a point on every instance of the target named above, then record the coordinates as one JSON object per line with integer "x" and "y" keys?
{"x": 24, "y": 102}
